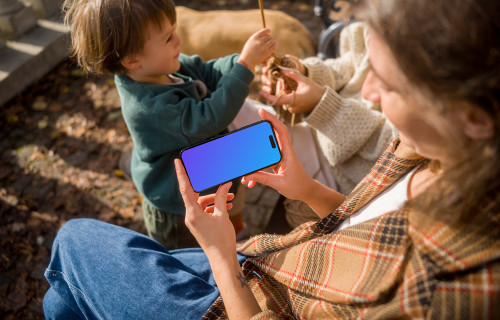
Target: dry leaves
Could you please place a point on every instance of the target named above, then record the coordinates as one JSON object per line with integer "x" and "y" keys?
{"x": 60, "y": 142}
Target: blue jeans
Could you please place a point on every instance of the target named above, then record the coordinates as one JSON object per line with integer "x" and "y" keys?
{"x": 102, "y": 271}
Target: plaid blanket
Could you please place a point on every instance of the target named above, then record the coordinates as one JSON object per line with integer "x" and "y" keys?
{"x": 402, "y": 264}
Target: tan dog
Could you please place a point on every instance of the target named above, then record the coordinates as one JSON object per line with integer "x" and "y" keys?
{"x": 217, "y": 33}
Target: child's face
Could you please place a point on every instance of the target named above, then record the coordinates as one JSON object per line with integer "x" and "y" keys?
{"x": 160, "y": 55}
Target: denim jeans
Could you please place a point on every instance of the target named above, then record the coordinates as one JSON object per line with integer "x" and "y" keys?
{"x": 102, "y": 271}
{"x": 170, "y": 230}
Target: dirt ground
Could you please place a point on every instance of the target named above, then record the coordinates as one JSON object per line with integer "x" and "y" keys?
{"x": 60, "y": 143}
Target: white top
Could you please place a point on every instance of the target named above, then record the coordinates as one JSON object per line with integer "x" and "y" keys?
{"x": 390, "y": 199}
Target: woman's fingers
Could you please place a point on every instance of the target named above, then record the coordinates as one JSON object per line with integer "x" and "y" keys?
{"x": 188, "y": 195}
{"x": 284, "y": 99}
{"x": 293, "y": 73}
{"x": 220, "y": 199}
{"x": 207, "y": 200}
{"x": 279, "y": 128}
{"x": 262, "y": 177}
{"x": 211, "y": 209}
{"x": 250, "y": 184}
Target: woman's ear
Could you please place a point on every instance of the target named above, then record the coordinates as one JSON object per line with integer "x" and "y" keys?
{"x": 477, "y": 123}
{"x": 130, "y": 62}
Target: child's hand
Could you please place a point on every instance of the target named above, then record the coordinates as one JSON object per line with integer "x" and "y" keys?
{"x": 257, "y": 49}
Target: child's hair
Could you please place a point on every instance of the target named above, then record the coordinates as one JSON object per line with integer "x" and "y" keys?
{"x": 104, "y": 31}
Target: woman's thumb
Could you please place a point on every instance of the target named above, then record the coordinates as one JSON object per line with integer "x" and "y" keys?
{"x": 291, "y": 73}
{"x": 261, "y": 177}
{"x": 221, "y": 198}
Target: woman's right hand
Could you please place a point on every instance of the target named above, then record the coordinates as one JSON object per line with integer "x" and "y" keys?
{"x": 289, "y": 177}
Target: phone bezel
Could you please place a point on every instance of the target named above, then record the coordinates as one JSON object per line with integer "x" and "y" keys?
{"x": 222, "y": 136}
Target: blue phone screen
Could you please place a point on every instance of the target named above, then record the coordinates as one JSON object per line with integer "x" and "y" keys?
{"x": 236, "y": 154}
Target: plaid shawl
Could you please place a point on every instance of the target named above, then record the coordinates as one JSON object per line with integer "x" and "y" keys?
{"x": 399, "y": 265}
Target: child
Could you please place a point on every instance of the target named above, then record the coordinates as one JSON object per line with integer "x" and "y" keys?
{"x": 169, "y": 100}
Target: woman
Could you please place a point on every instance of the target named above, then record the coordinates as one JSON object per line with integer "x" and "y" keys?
{"x": 434, "y": 253}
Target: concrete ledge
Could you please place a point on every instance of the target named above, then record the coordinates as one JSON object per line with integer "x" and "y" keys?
{"x": 28, "y": 58}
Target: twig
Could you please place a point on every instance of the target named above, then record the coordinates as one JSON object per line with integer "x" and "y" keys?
{"x": 261, "y": 6}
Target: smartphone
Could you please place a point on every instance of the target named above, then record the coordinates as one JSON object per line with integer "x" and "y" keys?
{"x": 238, "y": 153}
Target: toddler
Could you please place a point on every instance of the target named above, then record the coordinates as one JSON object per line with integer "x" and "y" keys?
{"x": 169, "y": 100}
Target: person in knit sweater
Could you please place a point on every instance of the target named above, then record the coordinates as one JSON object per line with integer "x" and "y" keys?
{"x": 418, "y": 238}
{"x": 169, "y": 100}
{"x": 351, "y": 132}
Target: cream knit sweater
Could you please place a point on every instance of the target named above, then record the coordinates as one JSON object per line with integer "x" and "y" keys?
{"x": 351, "y": 132}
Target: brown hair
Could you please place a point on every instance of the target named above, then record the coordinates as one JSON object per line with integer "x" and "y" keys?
{"x": 449, "y": 50}
{"x": 104, "y": 31}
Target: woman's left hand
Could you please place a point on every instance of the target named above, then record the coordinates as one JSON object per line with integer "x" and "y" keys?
{"x": 215, "y": 234}
{"x": 210, "y": 225}
{"x": 304, "y": 99}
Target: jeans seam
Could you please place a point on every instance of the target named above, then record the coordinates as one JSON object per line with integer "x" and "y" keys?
{"x": 72, "y": 286}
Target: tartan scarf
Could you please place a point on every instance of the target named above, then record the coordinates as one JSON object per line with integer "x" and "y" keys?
{"x": 402, "y": 264}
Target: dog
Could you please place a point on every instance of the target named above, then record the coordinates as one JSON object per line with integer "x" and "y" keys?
{"x": 217, "y": 33}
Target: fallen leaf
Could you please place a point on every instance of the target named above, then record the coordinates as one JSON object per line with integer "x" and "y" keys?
{"x": 40, "y": 104}
{"x": 127, "y": 213}
{"x": 55, "y": 107}
{"x": 119, "y": 173}
{"x": 12, "y": 118}
{"x": 79, "y": 73}
{"x": 43, "y": 123}
{"x": 17, "y": 226}
{"x": 63, "y": 89}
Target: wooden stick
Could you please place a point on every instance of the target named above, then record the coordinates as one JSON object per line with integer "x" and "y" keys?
{"x": 278, "y": 62}
{"x": 261, "y": 6}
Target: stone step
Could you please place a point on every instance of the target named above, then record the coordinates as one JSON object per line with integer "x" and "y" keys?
{"x": 28, "y": 58}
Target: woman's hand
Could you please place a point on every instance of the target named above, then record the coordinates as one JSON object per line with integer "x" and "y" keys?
{"x": 214, "y": 232}
{"x": 289, "y": 178}
{"x": 303, "y": 100}
{"x": 266, "y": 82}
{"x": 210, "y": 225}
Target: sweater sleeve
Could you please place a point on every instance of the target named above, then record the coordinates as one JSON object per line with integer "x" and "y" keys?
{"x": 348, "y": 71}
{"x": 211, "y": 114}
{"x": 209, "y": 72}
{"x": 266, "y": 315}
{"x": 346, "y": 127}
{"x": 164, "y": 118}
